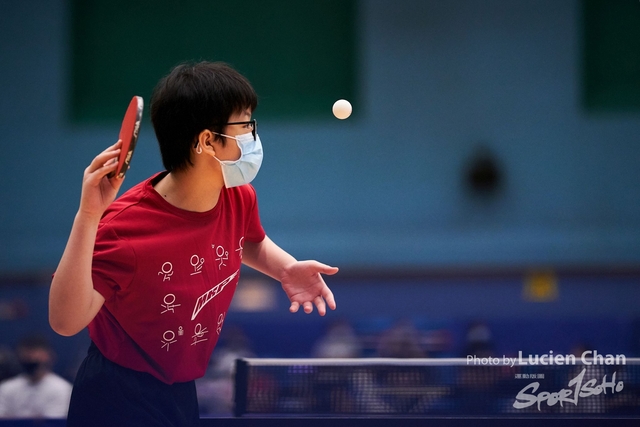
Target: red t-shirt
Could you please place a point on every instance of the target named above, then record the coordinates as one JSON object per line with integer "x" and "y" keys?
{"x": 168, "y": 276}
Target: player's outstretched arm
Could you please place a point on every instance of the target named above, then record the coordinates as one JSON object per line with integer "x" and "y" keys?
{"x": 301, "y": 280}
{"x": 73, "y": 302}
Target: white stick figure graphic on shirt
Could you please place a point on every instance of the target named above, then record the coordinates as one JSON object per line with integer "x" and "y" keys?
{"x": 196, "y": 263}
{"x": 220, "y": 322}
{"x": 169, "y": 303}
{"x": 222, "y": 255}
{"x": 198, "y": 334}
{"x": 168, "y": 338}
{"x": 167, "y": 270}
{"x": 240, "y": 247}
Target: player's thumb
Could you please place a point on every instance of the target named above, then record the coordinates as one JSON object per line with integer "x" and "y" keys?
{"x": 326, "y": 269}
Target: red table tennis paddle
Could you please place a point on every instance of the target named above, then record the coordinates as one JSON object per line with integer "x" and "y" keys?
{"x": 129, "y": 135}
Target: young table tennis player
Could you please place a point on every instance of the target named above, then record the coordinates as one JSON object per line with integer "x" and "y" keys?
{"x": 152, "y": 273}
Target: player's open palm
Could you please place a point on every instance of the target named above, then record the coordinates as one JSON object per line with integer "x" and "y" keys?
{"x": 303, "y": 284}
{"x": 98, "y": 190}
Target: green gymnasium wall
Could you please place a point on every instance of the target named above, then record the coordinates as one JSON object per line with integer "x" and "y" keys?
{"x": 300, "y": 56}
{"x": 611, "y": 46}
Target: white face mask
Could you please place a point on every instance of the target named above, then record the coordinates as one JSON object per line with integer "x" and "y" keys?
{"x": 244, "y": 170}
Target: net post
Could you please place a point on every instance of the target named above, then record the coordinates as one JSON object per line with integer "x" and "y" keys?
{"x": 241, "y": 386}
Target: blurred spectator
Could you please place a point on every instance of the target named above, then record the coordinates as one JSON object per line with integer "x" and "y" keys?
{"x": 37, "y": 392}
{"x": 479, "y": 340}
{"x": 9, "y": 366}
{"x": 340, "y": 341}
{"x": 215, "y": 389}
{"x": 476, "y": 385}
{"x": 403, "y": 340}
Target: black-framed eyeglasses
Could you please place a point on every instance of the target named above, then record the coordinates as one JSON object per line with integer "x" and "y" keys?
{"x": 252, "y": 123}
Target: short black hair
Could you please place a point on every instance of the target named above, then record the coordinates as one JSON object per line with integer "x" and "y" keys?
{"x": 34, "y": 342}
{"x": 194, "y": 97}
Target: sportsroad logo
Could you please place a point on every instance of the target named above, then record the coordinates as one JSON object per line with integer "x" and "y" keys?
{"x": 578, "y": 387}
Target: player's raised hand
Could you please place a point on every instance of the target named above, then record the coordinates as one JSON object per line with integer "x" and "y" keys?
{"x": 98, "y": 190}
{"x": 302, "y": 282}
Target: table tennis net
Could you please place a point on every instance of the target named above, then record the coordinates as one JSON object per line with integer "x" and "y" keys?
{"x": 434, "y": 387}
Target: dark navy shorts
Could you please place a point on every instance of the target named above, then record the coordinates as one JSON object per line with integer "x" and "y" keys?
{"x": 107, "y": 394}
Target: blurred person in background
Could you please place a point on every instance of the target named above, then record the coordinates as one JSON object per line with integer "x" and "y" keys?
{"x": 9, "y": 366}
{"x": 339, "y": 342}
{"x": 403, "y": 340}
{"x": 479, "y": 340}
{"x": 37, "y": 392}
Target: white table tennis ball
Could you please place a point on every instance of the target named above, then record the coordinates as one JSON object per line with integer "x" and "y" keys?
{"x": 342, "y": 109}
